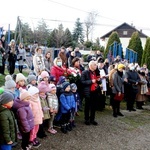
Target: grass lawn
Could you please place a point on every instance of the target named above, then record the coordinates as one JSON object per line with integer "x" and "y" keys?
{"x": 2, "y": 77}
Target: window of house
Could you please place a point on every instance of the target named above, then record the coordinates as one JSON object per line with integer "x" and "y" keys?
{"x": 125, "y": 32}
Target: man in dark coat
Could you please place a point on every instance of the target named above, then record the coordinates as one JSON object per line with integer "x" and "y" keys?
{"x": 90, "y": 88}
{"x": 133, "y": 79}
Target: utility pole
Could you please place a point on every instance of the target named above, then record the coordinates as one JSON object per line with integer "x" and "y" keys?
{"x": 18, "y": 31}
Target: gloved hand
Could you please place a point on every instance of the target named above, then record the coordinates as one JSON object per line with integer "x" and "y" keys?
{"x": 24, "y": 59}
{"x": 46, "y": 108}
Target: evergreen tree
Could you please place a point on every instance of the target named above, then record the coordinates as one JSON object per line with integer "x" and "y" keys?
{"x": 136, "y": 45}
{"x": 59, "y": 37}
{"x": 67, "y": 38}
{"x": 78, "y": 36}
{"x": 146, "y": 53}
{"x": 42, "y": 32}
{"x": 112, "y": 38}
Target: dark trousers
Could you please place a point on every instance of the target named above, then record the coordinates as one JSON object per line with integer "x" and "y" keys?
{"x": 20, "y": 67}
{"x": 25, "y": 140}
{"x": 65, "y": 118}
{"x": 130, "y": 100}
{"x": 2, "y": 68}
{"x": 41, "y": 131}
{"x": 11, "y": 67}
{"x": 90, "y": 106}
{"x": 115, "y": 105}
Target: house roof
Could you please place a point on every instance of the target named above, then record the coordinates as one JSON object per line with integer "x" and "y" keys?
{"x": 124, "y": 27}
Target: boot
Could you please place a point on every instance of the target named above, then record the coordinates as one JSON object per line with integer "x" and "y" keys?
{"x": 69, "y": 126}
{"x": 63, "y": 129}
{"x": 73, "y": 124}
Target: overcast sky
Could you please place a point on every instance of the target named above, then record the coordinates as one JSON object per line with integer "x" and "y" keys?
{"x": 111, "y": 13}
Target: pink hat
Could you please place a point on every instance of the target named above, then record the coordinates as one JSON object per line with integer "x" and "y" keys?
{"x": 51, "y": 87}
{"x": 44, "y": 74}
{"x": 43, "y": 87}
{"x": 23, "y": 93}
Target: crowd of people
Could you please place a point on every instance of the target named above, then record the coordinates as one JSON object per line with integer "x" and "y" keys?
{"x": 53, "y": 92}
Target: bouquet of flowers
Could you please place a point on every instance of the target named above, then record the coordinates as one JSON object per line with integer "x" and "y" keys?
{"x": 73, "y": 75}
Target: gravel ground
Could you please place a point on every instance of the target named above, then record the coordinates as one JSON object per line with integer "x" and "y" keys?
{"x": 131, "y": 132}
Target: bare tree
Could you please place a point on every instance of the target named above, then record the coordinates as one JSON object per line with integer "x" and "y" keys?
{"x": 90, "y": 22}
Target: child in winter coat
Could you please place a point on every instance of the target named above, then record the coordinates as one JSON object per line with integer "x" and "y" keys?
{"x": 77, "y": 102}
{"x": 7, "y": 122}
{"x": 24, "y": 117}
{"x": 20, "y": 82}
{"x": 31, "y": 79}
{"x": 43, "y": 89}
{"x": 10, "y": 85}
{"x": 53, "y": 105}
{"x": 67, "y": 103}
{"x": 36, "y": 108}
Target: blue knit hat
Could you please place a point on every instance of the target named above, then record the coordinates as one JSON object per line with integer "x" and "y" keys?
{"x": 65, "y": 85}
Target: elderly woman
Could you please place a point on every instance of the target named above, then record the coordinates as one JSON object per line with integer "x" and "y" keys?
{"x": 38, "y": 61}
{"x": 142, "y": 89}
{"x": 118, "y": 89}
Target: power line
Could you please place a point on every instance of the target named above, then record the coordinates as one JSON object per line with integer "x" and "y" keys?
{"x": 66, "y": 21}
{"x": 82, "y": 10}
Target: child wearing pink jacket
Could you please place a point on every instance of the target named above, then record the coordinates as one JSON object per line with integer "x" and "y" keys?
{"x": 36, "y": 108}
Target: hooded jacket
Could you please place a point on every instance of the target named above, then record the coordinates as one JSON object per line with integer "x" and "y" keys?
{"x": 7, "y": 126}
{"x": 24, "y": 115}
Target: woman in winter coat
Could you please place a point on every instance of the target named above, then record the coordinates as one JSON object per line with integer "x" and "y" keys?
{"x": 21, "y": 57}
{"x": 38, "y": 61}
{"x": 48, "y": 61}
{"x": 57, "y": 70}
{"x": 142, "y": 89}
{"x": 118, "y": 89}
{"x": 24, "y": 117}
{"x": 12, "y": 57}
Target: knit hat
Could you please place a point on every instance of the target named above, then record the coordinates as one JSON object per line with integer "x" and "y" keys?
{"x": 65, "y": 84}
{"x": 33, "y": 90}
{"x": 43, "y": 87}
{"x": 44, "y": 74}
{"x": 51, "y": 87}
{"x": 52, "y": 78}
{"x": 19, "y": 77}
{"x": 73, "y": 86}
{"x": 9, "y": 82}
{"x": 5, "y": 98}
{"x": 23, "y": 93}
{"x": 121, "y": 66}
{"x": 61, "y": 79}
{"x": 31, "y": 78}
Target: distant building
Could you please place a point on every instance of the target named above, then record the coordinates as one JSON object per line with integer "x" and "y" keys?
{"x": 125, "y": 32}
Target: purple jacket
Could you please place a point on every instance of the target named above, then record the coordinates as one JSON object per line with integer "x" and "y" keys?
{"x": 24, "y": 115}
